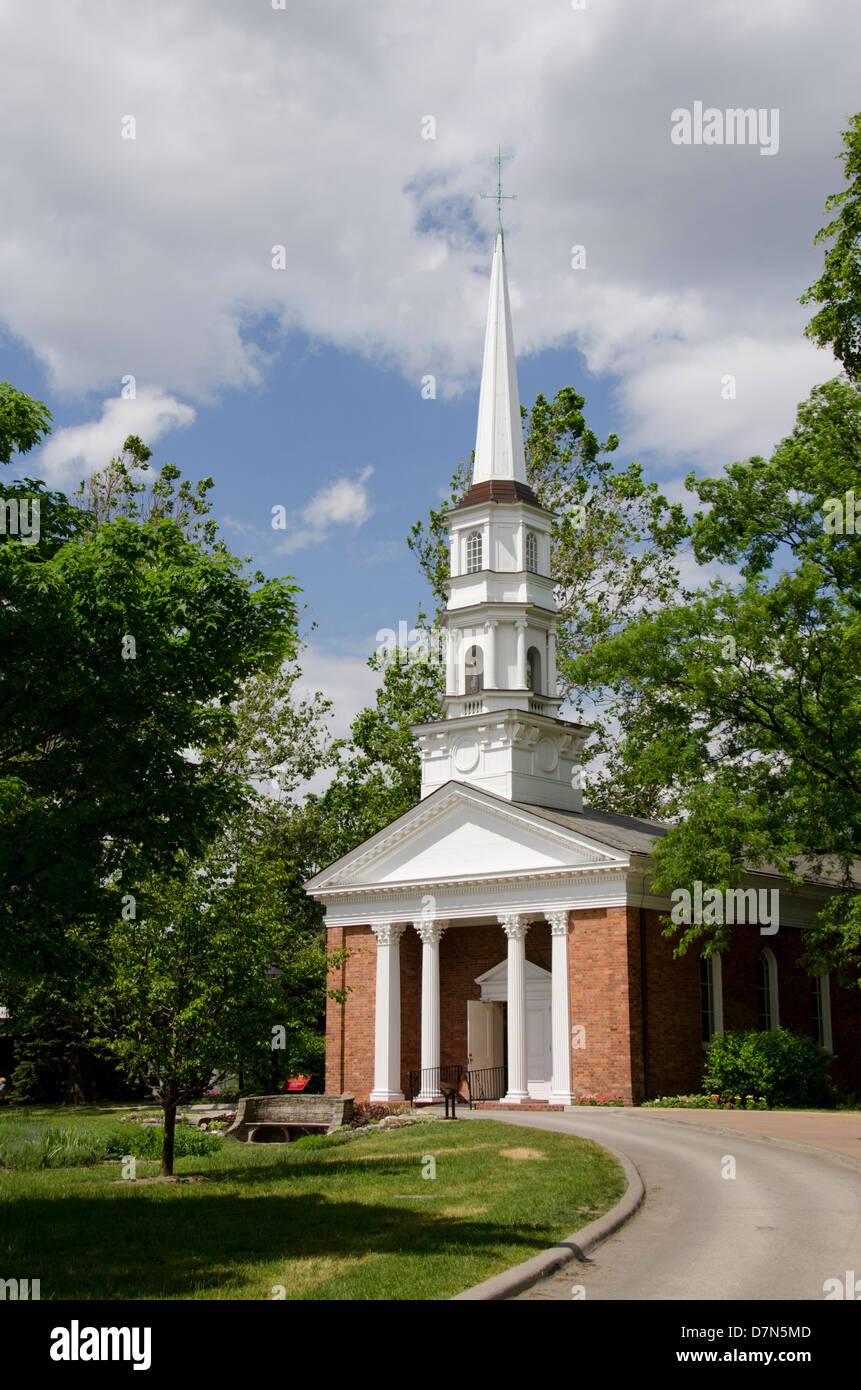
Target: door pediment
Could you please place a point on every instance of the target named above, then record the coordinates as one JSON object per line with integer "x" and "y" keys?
{"x": 494, "y": 983}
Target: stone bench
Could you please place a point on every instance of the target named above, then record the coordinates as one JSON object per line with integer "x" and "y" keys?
{"x": 283, "y": 1118}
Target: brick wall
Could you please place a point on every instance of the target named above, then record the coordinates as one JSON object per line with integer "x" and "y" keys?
{"x": 350, "y": 1026}
{"x": 604, "y": 957}
{"x": 603, "y": 981}
{"x": 675, "y": 1053}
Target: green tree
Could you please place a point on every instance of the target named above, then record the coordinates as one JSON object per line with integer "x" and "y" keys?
{"x": 190, "y": 984}
{"x": 752, "y": 687}
{"x": 379, "y": 773}
{"x": 838, "y": 289}
{"x": 132, "y": 639}
{"x": 24, "y": 422}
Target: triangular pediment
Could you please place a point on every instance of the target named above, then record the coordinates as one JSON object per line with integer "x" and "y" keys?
{"x": 462, "y": 832}
{"x": 498, "y": 974}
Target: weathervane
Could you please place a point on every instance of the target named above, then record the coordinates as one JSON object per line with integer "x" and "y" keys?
{"x": 499, "y": 195}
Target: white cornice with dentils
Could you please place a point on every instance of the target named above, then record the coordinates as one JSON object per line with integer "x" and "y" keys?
{"x": 464, "y": 900}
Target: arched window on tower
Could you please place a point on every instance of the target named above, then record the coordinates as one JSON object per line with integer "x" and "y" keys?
{"x": 532, "y": 552}
{"x": 533, "y": 670}
{"x": 767, "y": 1005}
{"x": 474, "y": 671}
{"x": 473, "y": 552}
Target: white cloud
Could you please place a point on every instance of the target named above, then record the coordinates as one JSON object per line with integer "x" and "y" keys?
{"x": 347, "y": 681}
{"x": 302, "y": 127}
{"x": 680, "y": 403}
{"x": 345, "y": 502}
{"x": 86, "y": 448}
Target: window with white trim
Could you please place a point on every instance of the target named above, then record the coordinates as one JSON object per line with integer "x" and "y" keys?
{"x": 473, "y": 552}
{"x": 532, "y": 552}
{"x": 711, "y": 998}
{"x": 820, "y": 1000}
{"x": 767, "y": 1002}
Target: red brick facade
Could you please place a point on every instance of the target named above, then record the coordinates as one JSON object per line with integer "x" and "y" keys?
{"x": 636, "y": 1043}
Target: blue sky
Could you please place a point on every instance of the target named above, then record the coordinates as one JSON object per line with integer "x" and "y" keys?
{"x": 306, "y": 127}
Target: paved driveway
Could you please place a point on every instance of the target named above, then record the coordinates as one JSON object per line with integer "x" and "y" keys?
{"x": 788, "y": 1220}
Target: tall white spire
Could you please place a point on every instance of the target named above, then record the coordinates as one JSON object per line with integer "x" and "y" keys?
{"x": 499, "y": 441}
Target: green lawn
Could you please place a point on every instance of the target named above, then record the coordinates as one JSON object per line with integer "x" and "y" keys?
{"x": 353, "y": 1222}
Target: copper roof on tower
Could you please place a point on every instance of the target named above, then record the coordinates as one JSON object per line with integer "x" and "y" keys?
{"x": 499, "y": 490}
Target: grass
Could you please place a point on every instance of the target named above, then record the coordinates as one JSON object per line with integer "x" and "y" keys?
{"x": 352, "y": 1221}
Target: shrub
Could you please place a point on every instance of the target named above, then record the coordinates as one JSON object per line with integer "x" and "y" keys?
{"x": 786, "y": 1068}
{"x": 27, "y": 1146}
{"x": 145, "y": 1141}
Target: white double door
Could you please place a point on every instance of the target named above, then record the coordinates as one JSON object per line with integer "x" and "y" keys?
{"x": 485, "y": 1027}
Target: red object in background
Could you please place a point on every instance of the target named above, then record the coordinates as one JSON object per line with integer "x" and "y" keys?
{"x": 296, "y": 1083}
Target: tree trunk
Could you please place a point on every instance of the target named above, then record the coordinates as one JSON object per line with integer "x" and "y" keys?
{"x": 167, "y": 1146}
{"x": 78, "y": 1078}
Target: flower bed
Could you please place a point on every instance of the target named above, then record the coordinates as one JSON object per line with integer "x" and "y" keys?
{"x": 713, "y": 1102}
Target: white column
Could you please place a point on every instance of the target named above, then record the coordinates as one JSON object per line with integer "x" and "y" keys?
{"x": 490, "y": 659}
{"x": 560, "y": 1021}
{"x": 551, "y": 661}
{"x": 387, "y": 1028}
{"x": 450, "y": 662}
{"x": 431, "y": 933}
{"x": 516, "y": 925}
{"x": 520, "y": 624}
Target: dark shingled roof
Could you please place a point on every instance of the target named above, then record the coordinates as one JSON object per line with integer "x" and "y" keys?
{"x": 626, "y": 833}
{"x": 635, "y": 836}
{"x": 499, "y": 490}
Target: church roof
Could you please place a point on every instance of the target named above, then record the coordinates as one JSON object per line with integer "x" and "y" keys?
{"x": 499, "y": 441}
{"x": 627, "y": 833}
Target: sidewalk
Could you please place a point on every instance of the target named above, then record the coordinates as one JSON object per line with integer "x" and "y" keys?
{"x": 839, "y": 1131}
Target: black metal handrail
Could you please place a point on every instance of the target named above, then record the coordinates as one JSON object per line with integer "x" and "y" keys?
{"x": 428, "y": 1079}
{"x": 487, "y": 1083}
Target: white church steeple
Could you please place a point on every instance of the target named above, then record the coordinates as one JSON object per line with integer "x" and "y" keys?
{"x": 499, "y": 440}
{"x": 502, "y": 730}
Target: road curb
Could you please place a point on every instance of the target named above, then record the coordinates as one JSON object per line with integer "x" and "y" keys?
{"x": 521, "y": 1277}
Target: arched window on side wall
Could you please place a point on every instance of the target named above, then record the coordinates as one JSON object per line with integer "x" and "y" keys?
{"x": 767, "y": 1003}
{"x": 532, "y": 552}
{"x": 820, "y": 1006}
{"x": 533, "y": 670}
{"x": 711, "y": 998}
{"x": 473, "y": 552}
{"x": 474, "y": 671}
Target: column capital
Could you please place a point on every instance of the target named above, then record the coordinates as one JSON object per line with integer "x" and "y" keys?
{"x": 431, "y": 930}
{"x": 521, "y": 624}
{"x": 389, "y": 933}
{"x": 515, "y": 924}
{"x": 558, "y": 922}
{"x": 491, "y": 623}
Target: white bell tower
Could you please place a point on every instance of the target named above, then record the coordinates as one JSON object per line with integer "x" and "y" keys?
{"x": 502, "y": 730}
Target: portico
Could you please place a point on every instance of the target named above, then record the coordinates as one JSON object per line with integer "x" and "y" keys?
{"x": 462, "y": 919}
{"x": 513, "y": 990}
